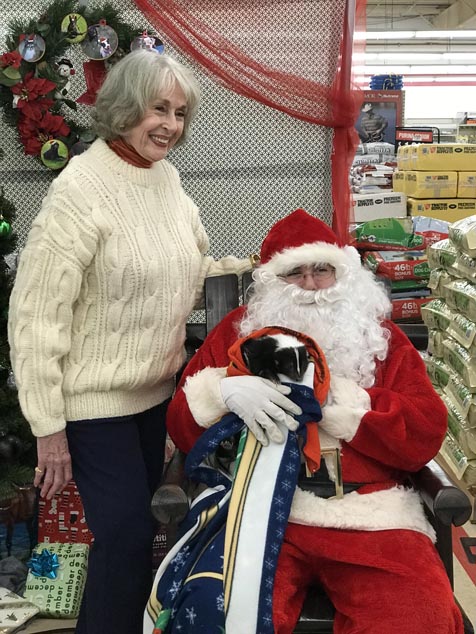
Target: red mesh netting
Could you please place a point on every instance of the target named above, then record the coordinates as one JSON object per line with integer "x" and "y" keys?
{"x": 292, "y": 55}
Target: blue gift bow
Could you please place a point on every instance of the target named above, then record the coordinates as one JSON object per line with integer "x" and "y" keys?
{"x": 43, "y": 564}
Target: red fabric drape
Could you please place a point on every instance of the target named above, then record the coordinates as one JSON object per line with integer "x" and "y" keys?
{"x": 199, "y": 29}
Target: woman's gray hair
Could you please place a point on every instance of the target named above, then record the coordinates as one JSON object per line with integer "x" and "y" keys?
{"x": 131, "y": 87}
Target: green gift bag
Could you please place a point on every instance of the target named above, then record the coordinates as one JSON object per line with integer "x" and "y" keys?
{"x": 56, "y": 579}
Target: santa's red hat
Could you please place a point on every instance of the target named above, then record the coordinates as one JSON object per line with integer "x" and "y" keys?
{"x": 301, "y": 239}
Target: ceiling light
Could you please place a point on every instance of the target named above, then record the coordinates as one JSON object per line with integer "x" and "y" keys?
{"x": 413, "y": 35}
{"x": 414, "y": 69}
{"x": 415, "y": 57}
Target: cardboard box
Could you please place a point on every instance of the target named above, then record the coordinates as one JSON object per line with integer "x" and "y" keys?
{"x": 379, "y": 205}
{"x": 444, "y": 156}
{"x": 403, "y": 157}
{"x": 449, "y": 209}
{"x": 399, "y": 182}
{"x": 431, "y": 184}
{"x": 466, "y": 185}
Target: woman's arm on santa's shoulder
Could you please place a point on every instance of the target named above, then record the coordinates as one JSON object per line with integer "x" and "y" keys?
{"x": 407, "y": 421}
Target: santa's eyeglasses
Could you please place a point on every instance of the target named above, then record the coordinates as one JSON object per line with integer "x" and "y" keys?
{"x": 318, "y": 272}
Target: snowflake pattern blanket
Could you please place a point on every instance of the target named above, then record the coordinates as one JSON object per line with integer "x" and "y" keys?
{"x": 219, "y": 576}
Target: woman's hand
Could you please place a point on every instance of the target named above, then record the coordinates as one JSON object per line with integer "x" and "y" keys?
{"x": 53, "y": 471}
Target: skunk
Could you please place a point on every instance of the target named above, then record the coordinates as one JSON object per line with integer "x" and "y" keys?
{"x": 271, "y": 355}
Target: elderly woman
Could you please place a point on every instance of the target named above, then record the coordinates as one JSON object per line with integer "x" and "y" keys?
{"x": 114, "y": 264}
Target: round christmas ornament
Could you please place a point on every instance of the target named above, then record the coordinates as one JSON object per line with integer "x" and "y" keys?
{"x": 5, "y": 227}
{"x": 101, "y": 41}
{"x": 75, "y": 28}
{"x": 32, "y": 47}
{"x": 147, "y": 42}
{"x": 54, "y": 154}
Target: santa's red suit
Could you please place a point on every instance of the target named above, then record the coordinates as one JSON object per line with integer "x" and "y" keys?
{"x": 373, "y": 550}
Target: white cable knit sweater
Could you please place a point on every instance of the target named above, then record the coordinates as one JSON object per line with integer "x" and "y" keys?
{"x": 112, "y": 268}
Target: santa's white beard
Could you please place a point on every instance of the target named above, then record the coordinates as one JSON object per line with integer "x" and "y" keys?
{"x": 344, "y": 320}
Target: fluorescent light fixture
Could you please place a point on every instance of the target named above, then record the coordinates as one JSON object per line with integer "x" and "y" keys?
{"x": 414, "y": 35}
{"x": 415, "y": 57}
{"x": 414, "y": 69}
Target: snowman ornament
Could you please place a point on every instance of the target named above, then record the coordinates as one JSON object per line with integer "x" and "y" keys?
{"x": 65, "y": 70}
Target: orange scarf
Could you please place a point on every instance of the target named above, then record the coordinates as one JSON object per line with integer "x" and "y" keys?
{"x": 128, "y": 153}
{"x": 237, "y": 366}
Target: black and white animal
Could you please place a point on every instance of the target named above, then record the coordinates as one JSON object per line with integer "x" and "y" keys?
{"x": 272, "y": 355}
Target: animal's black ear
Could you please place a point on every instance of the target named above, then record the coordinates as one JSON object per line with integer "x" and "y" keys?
{"x": 253, "y": 348}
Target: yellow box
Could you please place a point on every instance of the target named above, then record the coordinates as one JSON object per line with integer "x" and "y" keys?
{"x": 403, "y": 157}
{"x": 431, "y": 184}
{"x": 413, "y": 156}
{"x": 444, "y": 156}
{"x": 466, "y": 185}
{"x": 398, "y": 181}
{"x": 449, "y": 209}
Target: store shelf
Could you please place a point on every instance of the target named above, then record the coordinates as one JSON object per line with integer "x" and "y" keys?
{"x": 466, "y": 133}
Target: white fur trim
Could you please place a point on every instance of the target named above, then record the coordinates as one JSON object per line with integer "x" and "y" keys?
{"x": 345, "y": 391}
{"x": 341, "y": 258}
{"x": 341, "y": 421}
{"x": 396, "y": 508}
{"x": 204, "y": 398}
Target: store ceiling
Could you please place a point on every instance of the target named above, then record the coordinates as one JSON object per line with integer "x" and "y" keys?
{"x": 404, "y": 15}
{"x": 399, "y": 46}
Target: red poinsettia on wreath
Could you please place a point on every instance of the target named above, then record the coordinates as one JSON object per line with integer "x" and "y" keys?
{"x": 12, "y": 59}
{"x": 30, "y": 95}
{"x": 37, "y": 130}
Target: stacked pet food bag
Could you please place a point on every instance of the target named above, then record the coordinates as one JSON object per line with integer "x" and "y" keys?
{"x": 372, "y": 168}
{"x": 395, "y": 250}
{"x": 451, "y": 360}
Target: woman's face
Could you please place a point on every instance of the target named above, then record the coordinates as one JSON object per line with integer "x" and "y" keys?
{"x": 161, "y": 127}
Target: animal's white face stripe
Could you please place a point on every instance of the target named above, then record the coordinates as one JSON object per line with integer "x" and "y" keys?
{"x": 298, "y": 365}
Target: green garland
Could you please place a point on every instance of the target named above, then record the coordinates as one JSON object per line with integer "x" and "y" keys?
{"x": 17, "y": 445}
{"x": 34, "y": 130}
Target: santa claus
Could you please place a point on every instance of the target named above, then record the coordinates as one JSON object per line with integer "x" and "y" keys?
{"x": 371, "y": 548}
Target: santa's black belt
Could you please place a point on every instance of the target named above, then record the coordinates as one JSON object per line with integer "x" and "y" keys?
{"x": 320, "y": 483}
{"x": 326, "y": 489}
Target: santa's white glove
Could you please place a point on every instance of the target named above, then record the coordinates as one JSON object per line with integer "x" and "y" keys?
{"x": 347, "y": 405}
{"x": 261, "y": 404}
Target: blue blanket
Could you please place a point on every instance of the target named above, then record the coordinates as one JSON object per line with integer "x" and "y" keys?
{"x": 219, "y": 576}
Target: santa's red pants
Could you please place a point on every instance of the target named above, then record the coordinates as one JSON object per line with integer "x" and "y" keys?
{"x": 380, "y": 582}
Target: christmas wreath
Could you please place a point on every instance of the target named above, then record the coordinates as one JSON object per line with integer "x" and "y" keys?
{"x": 35, "y": 74}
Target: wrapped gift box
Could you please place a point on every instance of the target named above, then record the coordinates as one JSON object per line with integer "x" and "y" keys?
{"x": 62, "y": 519}
{"x": 59, "y": 597}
